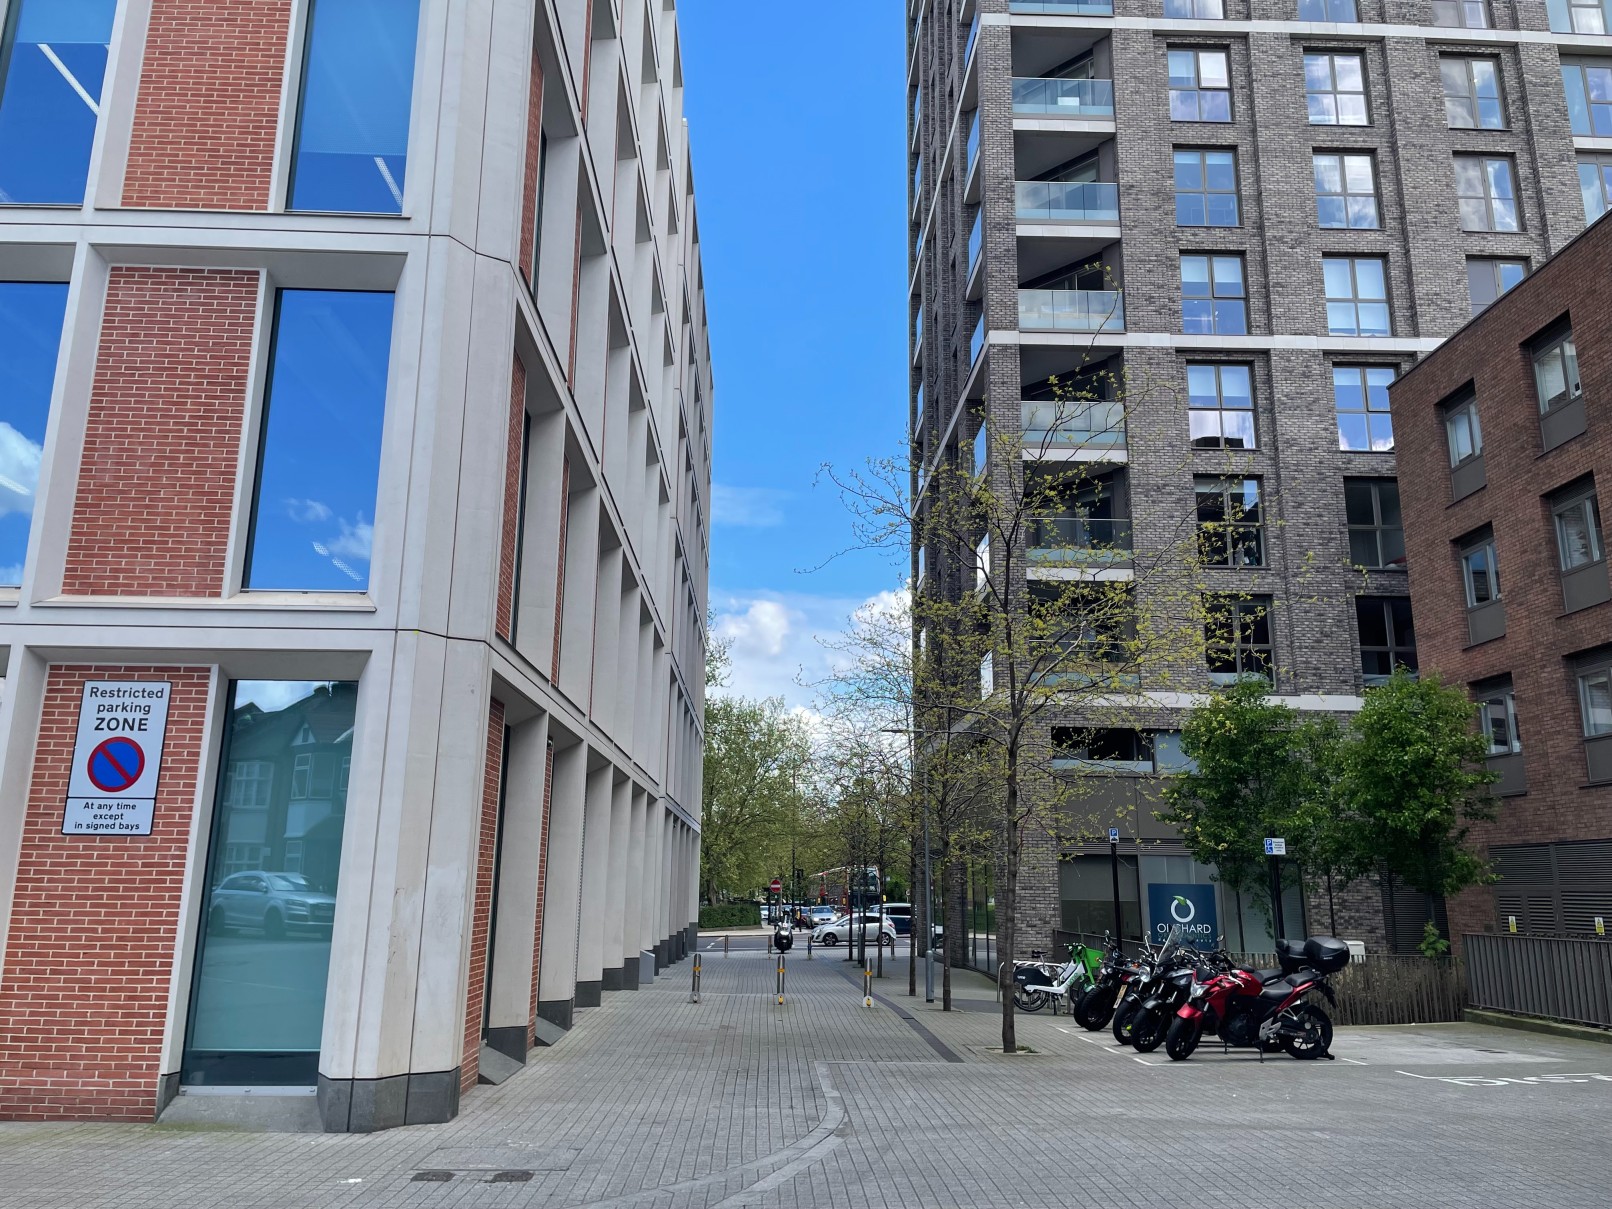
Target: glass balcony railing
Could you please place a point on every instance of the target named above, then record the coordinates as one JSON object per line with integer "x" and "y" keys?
{"x": 976, "y": 342}
{"x": 982, "y": 449}
{"x": 1065, "y": 98}
{"x": 1073, "y": 8}
{"x": 1080, "y": 539}
{"x": 1071, "y": 310}
{"x": 973, "y": 144}
{"x": 976, "y": 239}
{"x": 1068, "y": 201}
{"x": 973, "y": 36}
{"x": 918, "y": 329}
{"x": 1048, "y": 422}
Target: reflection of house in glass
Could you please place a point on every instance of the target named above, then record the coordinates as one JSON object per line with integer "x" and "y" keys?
{"x": 285, "y": 787}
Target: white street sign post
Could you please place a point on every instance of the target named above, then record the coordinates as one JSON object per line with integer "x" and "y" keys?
{"x": 117, "y": 758}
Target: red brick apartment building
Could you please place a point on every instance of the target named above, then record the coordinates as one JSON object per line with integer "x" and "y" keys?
{"x": 1505, "y": 446}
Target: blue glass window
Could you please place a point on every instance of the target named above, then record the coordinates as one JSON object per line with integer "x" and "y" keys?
{"x": 52, "y": 65}
{"x": 319, "y": 460}
{"x": 30, "y": 332}
{"x": 353, "y": 124}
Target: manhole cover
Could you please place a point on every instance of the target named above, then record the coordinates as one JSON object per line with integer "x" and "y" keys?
{"x": 510, "y": 1177}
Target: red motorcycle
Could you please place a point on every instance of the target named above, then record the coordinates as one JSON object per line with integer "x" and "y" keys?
{"x": 1265, "y": 1009}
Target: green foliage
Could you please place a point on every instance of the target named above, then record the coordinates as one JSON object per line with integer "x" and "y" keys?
{"x": 731, "y": 915}
{"x": 1412, "y": 776}
{"x": 1432, "y": 943}
{"x": 1262, "y": 770}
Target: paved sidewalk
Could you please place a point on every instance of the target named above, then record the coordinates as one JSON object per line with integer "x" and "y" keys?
{"x": 655, "y": 1103}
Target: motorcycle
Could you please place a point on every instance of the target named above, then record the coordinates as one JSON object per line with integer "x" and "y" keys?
{"x": 1264, "y": 1009}
{"x": 1155, "y": 979}
{"x": 1095, "y": 1008}
{"x": 1149, "y": 1020}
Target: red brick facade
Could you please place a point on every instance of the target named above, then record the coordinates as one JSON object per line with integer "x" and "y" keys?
{"x": 514, "y": 452}
{"x": 534, "y": 157}
{"x": 482, "y": 906}
{"x": 1491, "y": 356}
{"x": 156, "y": 487}
{"x": 95, "y": 922}
{"x": 209, "y": 105}
{"x": 542, "y": 879}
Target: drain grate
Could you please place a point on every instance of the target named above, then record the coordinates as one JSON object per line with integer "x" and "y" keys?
{"x": 510, "y": 1177}
{"x": 431, "y": 1177}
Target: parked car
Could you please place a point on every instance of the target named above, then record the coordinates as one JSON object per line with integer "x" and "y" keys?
{"x": 274, "y": 903}
{"x": 822, "y": 915}
{"x": 899, "y": 914}
{"x": 847, "y": 928}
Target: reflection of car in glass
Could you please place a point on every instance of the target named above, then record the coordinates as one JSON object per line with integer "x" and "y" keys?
{"x": 275, "y": 903}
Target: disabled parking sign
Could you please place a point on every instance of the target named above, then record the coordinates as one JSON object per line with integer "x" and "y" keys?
{"x": 117, "y": 758}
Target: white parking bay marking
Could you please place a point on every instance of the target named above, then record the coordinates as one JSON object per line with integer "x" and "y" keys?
{"x": 1510, "y": 1081}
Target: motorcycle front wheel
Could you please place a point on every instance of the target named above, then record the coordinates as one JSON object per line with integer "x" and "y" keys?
{"x": 1315, "y": 1037}
{"x": 1029, "y": 1001}
{"x": 1124, "y": 1016}
{"x": 1148, "y": 1030}
{"x": 1182, "y": 1038}
{"x": 1096, "y": 1008}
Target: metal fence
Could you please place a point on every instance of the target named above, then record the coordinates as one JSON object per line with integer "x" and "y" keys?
{"x": 1555, "y": 977}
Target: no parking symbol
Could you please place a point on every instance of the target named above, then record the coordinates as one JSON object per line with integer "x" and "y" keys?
{"x": 117, "y": 758}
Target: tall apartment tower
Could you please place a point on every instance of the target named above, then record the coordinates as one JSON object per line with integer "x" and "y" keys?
{"x": 354, "y": 456}
{"x": 1264, "y": 210}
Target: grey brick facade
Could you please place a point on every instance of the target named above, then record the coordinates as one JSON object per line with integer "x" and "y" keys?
{"x": 963, "y": 57}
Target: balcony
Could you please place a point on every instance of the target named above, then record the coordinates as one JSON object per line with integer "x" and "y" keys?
{"x": 1064, "y": 98}
{"x": 1067, "y": 201}
{"x": 973, "y": 37}
{"x": 1082, "y": 540}
{"x": 1071, "y": 311}
{"x": 976, "y": 342}
{"x": 918, "y": 335}
{"x": 1063, "y": 8}
{"x": 1076, "y": 424}
{"x": 976, "y": 239}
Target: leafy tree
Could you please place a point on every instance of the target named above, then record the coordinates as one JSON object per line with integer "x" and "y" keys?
{"x": 1411, "y": 775}
{"x": 1261, "y": 769}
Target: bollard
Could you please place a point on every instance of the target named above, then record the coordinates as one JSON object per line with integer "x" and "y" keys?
{"x": 769, "y": 942}
{"x": 867, "y": 988}
{"x": 808, "y": 946}
{"x": 725, "y": 940}
{"x": 694, "y": 996}
{"x": 780, "y": 978}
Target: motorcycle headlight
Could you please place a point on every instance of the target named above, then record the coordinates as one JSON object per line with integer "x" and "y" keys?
{"x": 1199, "y": 991}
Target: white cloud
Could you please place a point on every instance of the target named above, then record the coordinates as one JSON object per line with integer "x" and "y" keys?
{"x": 11, "y": 577}
{"x": 19, "y": 471}
{"x": 307, "y": 512}
{"x": 778, "y": 641}
{"x": 747, "y": 507}
{"x": 272, "y": 695}
{"x": 355, "y": 541}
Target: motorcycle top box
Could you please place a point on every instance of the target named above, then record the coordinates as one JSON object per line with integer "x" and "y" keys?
{"x": 1325, "y": 954}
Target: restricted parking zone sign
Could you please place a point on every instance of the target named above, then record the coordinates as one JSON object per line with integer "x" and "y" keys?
{"x": 117, "y": 758}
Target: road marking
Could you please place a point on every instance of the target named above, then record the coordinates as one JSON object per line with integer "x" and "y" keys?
{"x": 1505, "y": 1081}
{"x": 1354, "y": 1061}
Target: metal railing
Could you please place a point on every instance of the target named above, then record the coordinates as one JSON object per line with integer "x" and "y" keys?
{"x": 1071, "y": 310}
{"x": 1556, "y": 977}
{"x": 1068, "y": 201}
{"x": 1050, "y": 422}
{"x": 1065, "y": 98}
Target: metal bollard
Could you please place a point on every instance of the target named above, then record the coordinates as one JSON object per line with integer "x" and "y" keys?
{"x": 769, "y": 942}
{"x": 725, "y": 940}
{"x": 780, "y": 978}
{"x": 694, "y": 995}
{"x": 808, "y": 946}
{"x": 867, "y": 988}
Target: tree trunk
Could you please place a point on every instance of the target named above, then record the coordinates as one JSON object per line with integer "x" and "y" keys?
{"x": 1007, "y": 925}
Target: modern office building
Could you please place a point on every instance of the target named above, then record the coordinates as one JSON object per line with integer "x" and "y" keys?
{"x": 1505, "y": 443}
{"x": 1242, "y": 219}
{"x": 354, "y": 466}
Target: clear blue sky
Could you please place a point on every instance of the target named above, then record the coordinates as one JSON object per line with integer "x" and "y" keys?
{"x": 797, "y": 121}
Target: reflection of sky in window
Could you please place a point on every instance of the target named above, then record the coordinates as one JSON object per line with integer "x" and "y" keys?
{"x": 55, "y": 59}
{"x": 353, "y": 129}
{"x": 30, "y": 332}
{"x": 320, "y": 462}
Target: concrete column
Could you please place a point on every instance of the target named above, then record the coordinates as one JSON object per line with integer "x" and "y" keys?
{"x": 632, "y": 930}
{"x": 691, "y": 887}
{"x": 562, "y": 889}
{"x": 595, "y": 885}
{"x": 672, "y": 904}
{"x": 651, "y": 930}
{"x": 615, "y": 907}
{"x": 509, "y": 1005}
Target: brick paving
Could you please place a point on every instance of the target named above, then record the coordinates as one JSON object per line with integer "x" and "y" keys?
{"x": 655, "y": 1103}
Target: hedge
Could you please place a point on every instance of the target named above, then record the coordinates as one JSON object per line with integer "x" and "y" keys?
{"x": 731, "y": 915}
